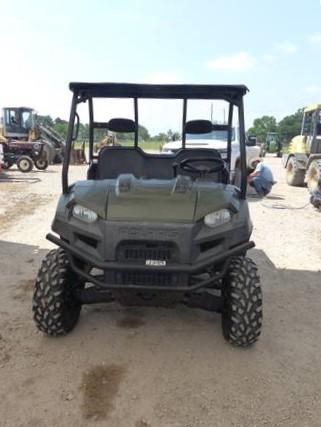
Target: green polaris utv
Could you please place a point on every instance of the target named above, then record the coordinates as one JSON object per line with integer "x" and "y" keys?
{"x": 153, "y": 229}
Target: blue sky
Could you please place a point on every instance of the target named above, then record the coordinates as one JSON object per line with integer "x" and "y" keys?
{"x": 274, "y": 47}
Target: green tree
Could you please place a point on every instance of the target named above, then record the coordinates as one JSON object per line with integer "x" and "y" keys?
{"x": 261, "y": 127}
{"x": 169, "y": 135}
{"x": 160, "y": 137}
{"x": 61, "y": 126}
{"x": 45, "y": 120}
{"x": 143, "y": 133}
{"x": 290, "y": 126}
{"x": 176, "y": 136}
{"x": 83, "y": 133}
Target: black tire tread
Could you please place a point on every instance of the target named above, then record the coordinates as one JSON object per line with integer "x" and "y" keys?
{"x": 43, "y": 167}
{"x": 54, "y": 312}
{"x": 297, "y": 177}
{"x": 29, "y": 159}
{"x": 242, "y": 314}
{"x": 317, "y": 165}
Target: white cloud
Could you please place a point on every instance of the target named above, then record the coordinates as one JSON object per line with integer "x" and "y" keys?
{"x": 315, "y": 38}
{"x": 313, "y": 89}
{"x": 163, "y": 77}
{"x": 286, "y": 47}
{"x": 269, "y": 57}
{"x": 240, "y": 61}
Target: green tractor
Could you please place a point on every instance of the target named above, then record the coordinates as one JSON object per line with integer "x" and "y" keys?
{"x": 153, "y": 229}
{"x": 272, "y": 144}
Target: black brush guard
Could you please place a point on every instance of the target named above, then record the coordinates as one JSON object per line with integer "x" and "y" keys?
{"x": 190, "y": 269}
{"x": 197, "y": 295}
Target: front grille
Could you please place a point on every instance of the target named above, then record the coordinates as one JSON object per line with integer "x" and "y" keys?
{"x": 141, "y": 254}
{"x": 148, "y": 278}
{"x": 142, "y": 251}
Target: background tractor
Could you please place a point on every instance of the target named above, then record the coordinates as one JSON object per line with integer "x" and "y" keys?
{"x": 27, "y": 143}
{"x": 303, "y": 161}
{"x": 272, "y": 144}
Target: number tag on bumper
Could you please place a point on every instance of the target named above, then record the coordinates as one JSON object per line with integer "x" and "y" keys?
{"x": 155, "y": 262}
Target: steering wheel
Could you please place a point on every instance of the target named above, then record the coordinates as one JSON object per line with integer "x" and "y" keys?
{"x": 188, "y": 166}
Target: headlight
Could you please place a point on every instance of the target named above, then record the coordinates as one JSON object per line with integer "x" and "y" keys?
{"x": 217, "y": 218}
{"x": 84, "y": 214}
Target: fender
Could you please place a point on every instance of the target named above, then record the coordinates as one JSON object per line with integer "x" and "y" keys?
{"x": 301, "y": 158}
{"x": 313, "y": 157}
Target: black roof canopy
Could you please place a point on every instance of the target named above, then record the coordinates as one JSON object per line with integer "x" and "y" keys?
{"x": 162, "y": 91}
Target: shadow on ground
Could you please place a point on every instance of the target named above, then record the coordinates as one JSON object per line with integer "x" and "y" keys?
{"x": 289, "y": 296}
{"x": 180, "y": 350}
{"x": 7, "y": 177}
{"x": 298, "y": 288}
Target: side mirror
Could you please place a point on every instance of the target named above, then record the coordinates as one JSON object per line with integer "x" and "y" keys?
{"x": 251, "y": 141}
{"x": 76, "y": 127}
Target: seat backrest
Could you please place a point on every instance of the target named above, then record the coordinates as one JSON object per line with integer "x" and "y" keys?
{"x": 114, "y": 161}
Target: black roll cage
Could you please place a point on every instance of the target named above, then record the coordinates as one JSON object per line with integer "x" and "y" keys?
{"x": 83, "y": 92}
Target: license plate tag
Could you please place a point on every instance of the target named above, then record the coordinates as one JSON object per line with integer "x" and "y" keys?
{"x": 155, "y": 262}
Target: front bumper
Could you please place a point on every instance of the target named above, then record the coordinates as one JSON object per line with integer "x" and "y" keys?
{"x": 222, "y": 259}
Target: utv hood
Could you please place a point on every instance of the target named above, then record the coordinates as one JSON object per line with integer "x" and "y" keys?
{"x": 176, "y": 200}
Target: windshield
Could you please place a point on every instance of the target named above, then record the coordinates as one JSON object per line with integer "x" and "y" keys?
{"x": 216, "y": 135}
{"x": 27, "y": 119}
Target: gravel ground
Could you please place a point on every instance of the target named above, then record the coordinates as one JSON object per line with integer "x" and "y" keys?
{"x": 157, "y": 367}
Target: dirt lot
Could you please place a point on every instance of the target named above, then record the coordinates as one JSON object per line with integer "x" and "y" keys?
{"x": 158, "y": 367}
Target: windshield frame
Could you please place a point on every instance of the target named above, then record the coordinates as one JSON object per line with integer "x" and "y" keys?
{"x": 85, "y": 92}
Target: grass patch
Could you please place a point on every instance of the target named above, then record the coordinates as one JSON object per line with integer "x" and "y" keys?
{"x": 150, "y": 145}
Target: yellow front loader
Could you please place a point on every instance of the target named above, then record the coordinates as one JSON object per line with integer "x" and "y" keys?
{"x": 19, "y": 127}
{"x": 303, "y": 161}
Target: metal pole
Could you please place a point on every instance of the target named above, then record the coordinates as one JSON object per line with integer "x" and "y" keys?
{"x": 91, "y": 129}
{"x": 70, "y": 133}
{"x": 229, "y": 135}
{"x": 184, "y": 122}
{"x": 242, "y": 150}
{"x": 136, "y": 121}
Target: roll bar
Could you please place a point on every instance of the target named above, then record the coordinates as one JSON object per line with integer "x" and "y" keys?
{"x": 85, "y": 92}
